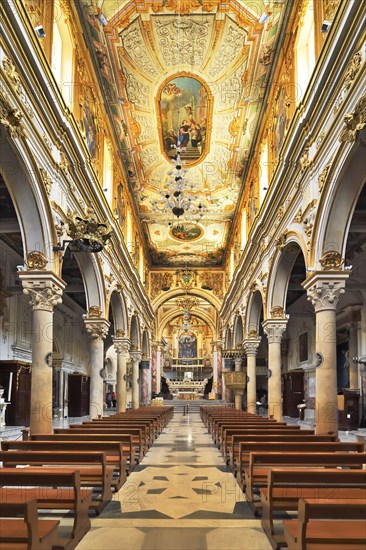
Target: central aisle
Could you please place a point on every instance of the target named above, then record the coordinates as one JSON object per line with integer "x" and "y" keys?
{"x": 180, "y": 497}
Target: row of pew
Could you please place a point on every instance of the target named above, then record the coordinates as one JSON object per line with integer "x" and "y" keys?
{"x": 317, "y": 480}
{"x": 75, "y": 470}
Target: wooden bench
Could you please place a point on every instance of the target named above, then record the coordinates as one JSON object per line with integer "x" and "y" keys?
{"x": 339, "y": 525}
{"x": 236, "y": 450}
{"x": 285, "y": 487}
{"x": 129, "y": 449}
{"x": 260, "y": 463}
{"x": 228, "y": 434}
{"x": 219, "y": 425}
{"x": 141, "y": 436}
{"x": 28, "y": 532}
{"x": 94, "y": 470}
{"x": 284, "y": 447}
{"x": 20, "y": 484}
{"x": 112, "y": 449}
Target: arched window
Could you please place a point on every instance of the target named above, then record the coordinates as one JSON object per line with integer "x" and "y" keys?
{"x": 305, "y": 52}
{"x": 62, "y": 58}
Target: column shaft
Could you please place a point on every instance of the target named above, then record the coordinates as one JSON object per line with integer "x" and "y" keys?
{"x": 96, "y": 381}
{"x": 121, "y": 381}
{"x": 274, "y": 381}
{"x": 252, "y": 383}
{"x": 135, "y": 385}
{"x": 41, "y": 388}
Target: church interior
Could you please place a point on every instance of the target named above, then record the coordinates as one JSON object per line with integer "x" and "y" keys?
{"x": 182, "y": 235}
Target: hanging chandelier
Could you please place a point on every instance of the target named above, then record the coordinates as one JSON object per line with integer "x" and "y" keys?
{"x": 177, "y": 197}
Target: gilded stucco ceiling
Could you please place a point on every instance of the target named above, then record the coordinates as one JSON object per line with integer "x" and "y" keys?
{"x": 228, "y": 52}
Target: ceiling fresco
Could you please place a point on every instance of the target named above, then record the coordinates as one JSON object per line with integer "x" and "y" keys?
{"x": 193, "y": 73}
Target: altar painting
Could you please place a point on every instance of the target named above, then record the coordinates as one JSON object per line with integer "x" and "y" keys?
{"x": 183, "y": 112}
{"x": 187, "y": 345}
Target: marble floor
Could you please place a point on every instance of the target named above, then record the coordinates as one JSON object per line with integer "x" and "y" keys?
{"x": 180, "y": 497}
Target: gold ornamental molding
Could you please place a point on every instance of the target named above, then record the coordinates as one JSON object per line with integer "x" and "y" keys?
{"x": 277, "y": 312}
{"x": 11, "y": 118}
{"x": 331, "y": 261}
{"x": 36, "y": 260}
{"x": 351, "y": 73}
{"x": 354, "y": 122}
{"x": 95, "y": 312}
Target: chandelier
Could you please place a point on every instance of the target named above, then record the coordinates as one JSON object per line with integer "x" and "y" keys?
{"x": 177, "y": 198}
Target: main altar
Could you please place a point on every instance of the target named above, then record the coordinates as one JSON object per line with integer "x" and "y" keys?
{"x": 187, "y": 388}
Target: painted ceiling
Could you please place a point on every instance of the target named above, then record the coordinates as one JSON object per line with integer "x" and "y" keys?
{"x": 197, "y": 71}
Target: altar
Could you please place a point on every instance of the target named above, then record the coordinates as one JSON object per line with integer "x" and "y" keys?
{"x": 187, "y": 388}
{"x": 188, "y": 395}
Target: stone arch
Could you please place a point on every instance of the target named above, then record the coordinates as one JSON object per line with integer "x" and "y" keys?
{"x": 135, "y": 333}
{"x": 228, "y": 339}
{"x": 280, "y": 274}
{"x": 29, "y": 198}
{"x": 338, "y": 201}
{"x": 173, "y": 314}
{"x": 209, "y": 297}
{"x": 238, "y": 332}
{"x": 254, "y": 309}
{"x": 119, "y": 311}
{"x": 92, "y": 275}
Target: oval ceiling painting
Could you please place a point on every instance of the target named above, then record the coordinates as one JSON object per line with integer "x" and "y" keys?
{"x": 184, "y": 113}
{"x": 186, "y": 232}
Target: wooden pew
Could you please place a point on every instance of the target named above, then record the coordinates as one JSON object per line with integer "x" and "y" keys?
{"x": 285, "y": 487}
{"x": 228, "y": 433}
{"x": 20, "y": 484}
{"x": 27, "y": 532}
{"x": 340, "y": 525}
{"x": 291, "y": 446}
{"x": 219, "y": 424}
{"x": 94, "y": 470}
{"x": 129, "y": 449}
{"x": 260, "y": 463}
{"x": 140, "y": 433}
{"x": 112, "y": 449}
{"x": 236, "y": 451}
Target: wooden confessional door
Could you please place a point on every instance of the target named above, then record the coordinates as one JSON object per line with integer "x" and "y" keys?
{"x": 293, "y": 392}
{"x": 78, "y": 395}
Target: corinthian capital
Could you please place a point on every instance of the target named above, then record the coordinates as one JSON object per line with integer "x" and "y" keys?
{"x": 324, "y": 290}
{"x": 96, "y": 328}
{"x": 44, "y": 289}
{"x": 274, "y": 329}
{"x": 122, "y": 346}
{"x": 251, "y": 346}
{"x": 136, "y": 356}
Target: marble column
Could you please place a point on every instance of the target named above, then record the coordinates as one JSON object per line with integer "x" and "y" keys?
{"x": 324, "y": 290}
{"x": 97, "y": 329}
{"x": 158, "y": 367}
{"x": 136, "y": 357}
{"x": 144, "y": 385}
{"x": 45, "y": 291}
{"x": 251, "y": 348}
{"x": 238, "y": 395}
{"x": 122, "y": 347}
{"x": 274, "y": 329}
